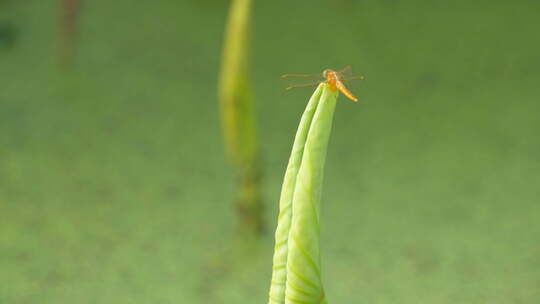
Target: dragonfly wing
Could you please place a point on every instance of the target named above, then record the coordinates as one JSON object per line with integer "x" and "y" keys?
{"x": 302, "y": 85}
{"x": 292, "y": 81}
{"x": 354, "y": 78}
{"x": 314, "y": 76}
{"x": 345, "y": 72}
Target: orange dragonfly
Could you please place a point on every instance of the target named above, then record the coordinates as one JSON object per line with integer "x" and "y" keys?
{"x": 334, "y": 79}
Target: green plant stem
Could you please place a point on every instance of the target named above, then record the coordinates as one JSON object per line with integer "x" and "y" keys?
{"x": 69, "y": 16}
{"x": 238, "y": 117}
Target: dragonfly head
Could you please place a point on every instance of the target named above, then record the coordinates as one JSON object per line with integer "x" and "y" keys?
{"x": 330, "y": 74}
{"x": 326, "y": 73}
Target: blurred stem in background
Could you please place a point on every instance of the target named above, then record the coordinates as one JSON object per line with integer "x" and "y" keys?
{"x": 8, "y": 33}
{"x": 68, "y": 30}
{"x": 296, "y": 273}
{"x": 238, "y": 116}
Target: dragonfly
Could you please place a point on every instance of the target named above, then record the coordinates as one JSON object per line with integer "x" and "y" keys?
{"x": 334, "y": 79}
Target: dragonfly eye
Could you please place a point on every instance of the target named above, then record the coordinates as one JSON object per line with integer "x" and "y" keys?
{"x": 325, "y": 73}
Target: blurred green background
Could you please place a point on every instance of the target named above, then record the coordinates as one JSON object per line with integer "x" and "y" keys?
{"x": 114, "y": 187}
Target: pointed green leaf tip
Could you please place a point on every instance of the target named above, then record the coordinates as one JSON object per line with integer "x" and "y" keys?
{"x": 296, "y": 276}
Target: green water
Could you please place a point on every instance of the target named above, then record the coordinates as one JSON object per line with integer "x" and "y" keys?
{"x": 114, "y": 187}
